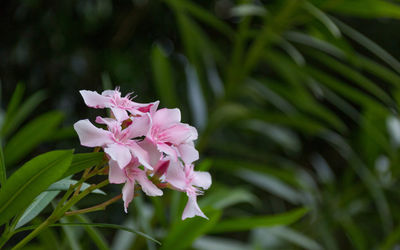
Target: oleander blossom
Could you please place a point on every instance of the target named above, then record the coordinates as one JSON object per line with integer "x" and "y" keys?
{"x": 147, "y": 148}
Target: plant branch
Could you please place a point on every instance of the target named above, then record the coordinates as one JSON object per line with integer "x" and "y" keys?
{"x": 98, "y": 207}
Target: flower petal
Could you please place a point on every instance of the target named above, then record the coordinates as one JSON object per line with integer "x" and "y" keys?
{"x": 110, "y": 122}
{"x": 192, "y": 208}
{"x": 152, "y": 151}
{"x": 116, "y": 175}
{"x": 141, "y": 154}
{"x": 179, "y": 133}
{"x": 91, "y": 136}
{"x": 128, "y": 193}
{"x": 119, "y": 153}
{"x": 139, "y": 127}
{"x": 201, "y": 179}
{"x": 94, "y": 100}
{"x": 165, "y": 118}
{"x": 148, "y": 187}
{"x": 176, "y": 175}
{"x": 162, "y": 147}
{"x": 119, "y": 114}
{"x": 111, "y": 93}
{"x": 161, "y": 168}
{"x": 188, "y": 153}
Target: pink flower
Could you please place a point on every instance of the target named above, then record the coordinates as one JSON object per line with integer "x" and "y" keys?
{"x": 118, "y": 143}
{"x": 119, "y": 105}
{"x": 129, "y": 175}
{"x": 173, "y": 137}
{"x": 139, "y": 134}
{"x": 192, "y": 182}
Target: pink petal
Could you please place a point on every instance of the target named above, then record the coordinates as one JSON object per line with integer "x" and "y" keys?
{"x": 161, "y": 168}
{"x": 178, "y": 133}
{"x": 141, "y": 108}
{"x": 154, "y": 106}
{"x": 119, "y": 114}
{"x": 201, "y": 179}
{"x": 188, "y": 153}
{"x": 116, "y": 175}
{"x": 168, "y": 150}
{"x": 147, "y": 186}
{"x": 152, "y": 151}
{"x": 176, "y": 175}
{"x": 110, "y": 122}
{"x": 127, "y": 194}
{"x": 111, "y": 93}
{"x": 141, "y": 154}
{"x": 119, "y": 153}
{"x": 91, "y": 136}
{"x": 139, "y": 127}
{"x": 93, "y": 99}
{"x": 192, "y": 208}
{"x": 165, "y": 118}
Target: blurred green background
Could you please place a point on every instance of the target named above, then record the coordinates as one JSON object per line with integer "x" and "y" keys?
{"x": 296, "y": 103}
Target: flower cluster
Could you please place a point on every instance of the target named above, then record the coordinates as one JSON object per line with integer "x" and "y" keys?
{"x": 146, "y": 147}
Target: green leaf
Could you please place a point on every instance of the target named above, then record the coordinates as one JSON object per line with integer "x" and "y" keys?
{"x": 354, "y": 76}
{"x": 30, "y": 180}
{"x": 123, "y": 240}
{"x": 341, "y": 88}
{"x": 362, "y": 8}
{"x": 224, "y": 197}
{"x": 13, "y": 105}
{"x": 391, "y": 240}
{"x": 191, "y": 228}
{"x": 164, "y": 82}
{"x": 247, "y": 223}
{"x": 377, "y": 69}
{"x": 3, "y": 173}
{"x": 203, "y": 15}
{"x": 64, "y": 185}
{"x": 314, "y": 42}
{"x": 271, "y": 184}
{"x": 93, "y": 233}
{"x": 31, "y": 135}
{"x": 242, "y": 10}
{"x": 287, "y": 234}
{"x": 369, "y": 44}
{"x": 22, "y": 112}
{"x": 101, "y": 225}
{"x": 83, "y": 161}
{"x": 36, "y": 207}
{"x": 323, "y": 18}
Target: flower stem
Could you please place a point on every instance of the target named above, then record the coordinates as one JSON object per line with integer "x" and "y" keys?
{"x": 58, "y": 212}
{"x": 98, "y": 207}
{"x": 34, "y": 233}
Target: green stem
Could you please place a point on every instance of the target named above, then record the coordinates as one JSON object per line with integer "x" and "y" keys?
{"x": 58, "y": 212}
{"x": 4, "y": 238}
{"x": 34, "y": 233}
{"x": 98, "y": 207}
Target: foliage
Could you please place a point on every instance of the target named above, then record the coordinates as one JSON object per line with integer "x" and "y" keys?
{"x": 297, "y": 111}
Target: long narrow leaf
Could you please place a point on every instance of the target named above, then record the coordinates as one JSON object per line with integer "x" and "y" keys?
{"x": 37, "y": 206}
{"x": 31, "y": 135}
{"x": 30, "y": 180}
{"x": 101, "y": 225}
{"x": 93, "y": 233}
{"x": 164, "y": 82}
{"x": 191, "y": 229}
{"x": 13, "y": 106}
{"x": 3, "y": 173}
{"x": 247, "y": 223}
{"x": 369, "y": 45}
{"x": 82, "y": 161}
{"x": 23, "y": 112}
